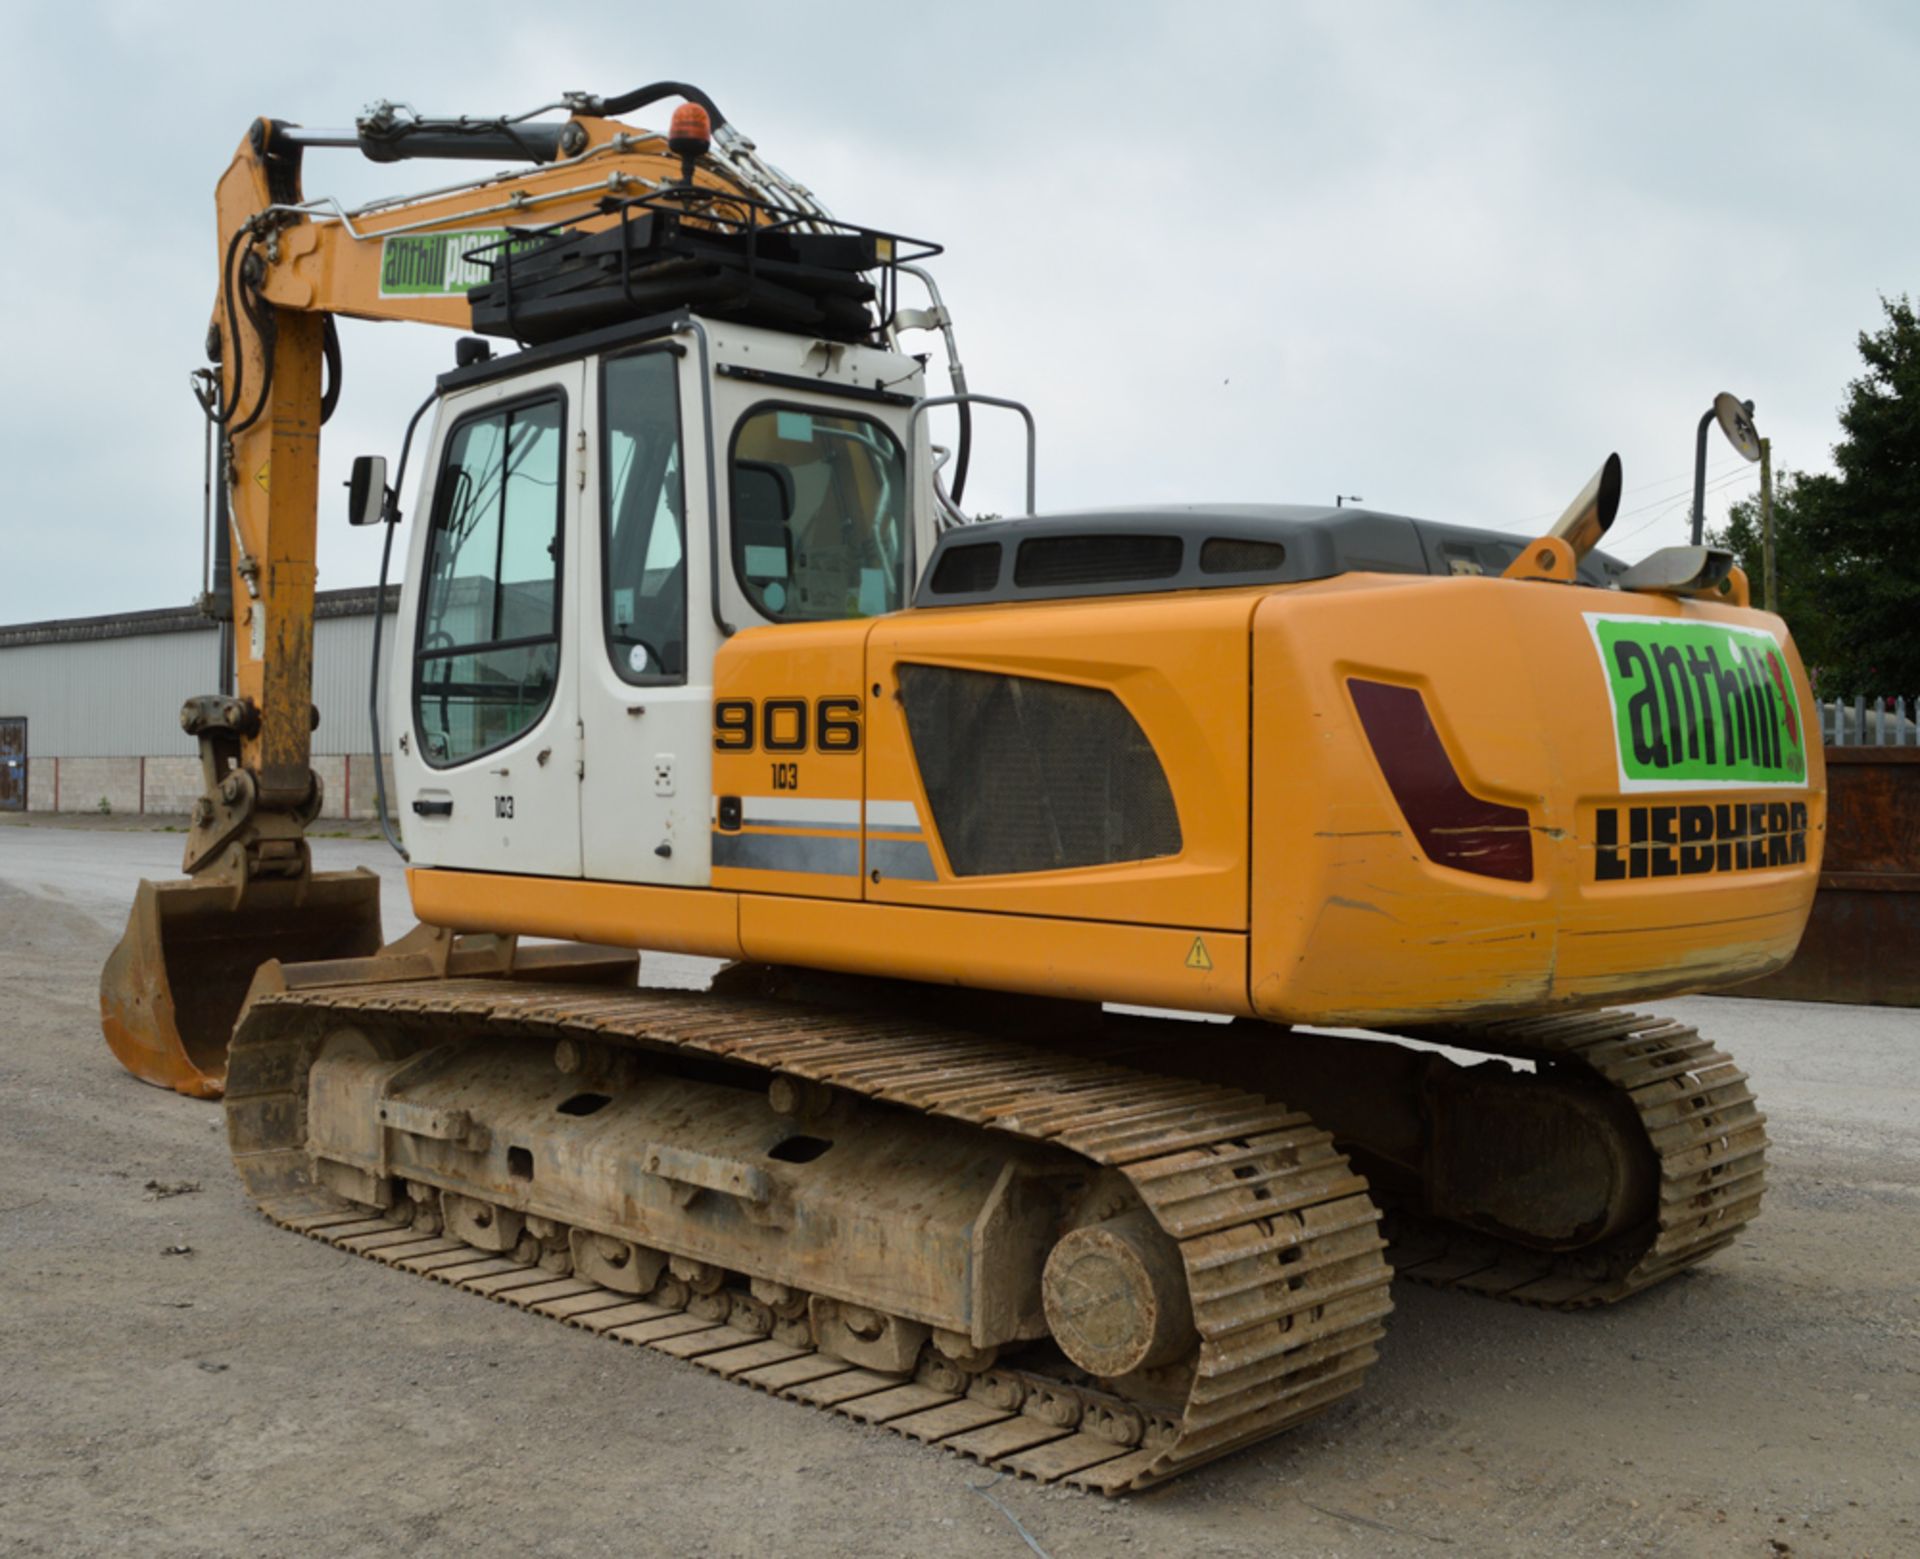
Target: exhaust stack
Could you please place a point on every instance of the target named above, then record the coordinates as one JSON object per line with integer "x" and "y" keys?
{"x": 1588, "y": 517}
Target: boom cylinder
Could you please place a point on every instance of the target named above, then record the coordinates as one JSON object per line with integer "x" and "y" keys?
{"x": 446, "y": 139}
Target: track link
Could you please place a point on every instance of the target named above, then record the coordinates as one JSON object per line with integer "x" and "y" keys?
{"x": 1279, "y": 1239}
{"x": 1700, "y": 1119}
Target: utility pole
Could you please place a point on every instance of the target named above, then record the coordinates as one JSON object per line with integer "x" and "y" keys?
{"x": 1770, "y": 589}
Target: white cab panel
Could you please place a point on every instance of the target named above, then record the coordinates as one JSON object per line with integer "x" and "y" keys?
{"x": 483, "y": 688}
{"x": 646, "y": 638}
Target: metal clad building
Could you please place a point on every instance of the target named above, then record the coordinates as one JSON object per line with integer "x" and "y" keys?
{"x": 100, "y": 700}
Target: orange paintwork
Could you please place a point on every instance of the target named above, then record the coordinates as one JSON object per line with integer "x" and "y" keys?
{"x": 1147, "y": 965}
{"x": 274, "y": 492}
{"x": 1299, "y": 875}
{"x": 1179, "y": 664}
{"x": 1363, "y": 928}
{"x": 803, "y": 661}
{"x": 1551, "y": 559}
{"x": 1150, "y": 966}
{"x": 611, "y": 914}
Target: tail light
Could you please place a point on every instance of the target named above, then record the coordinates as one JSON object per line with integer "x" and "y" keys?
{"x": 1454, "y": 827}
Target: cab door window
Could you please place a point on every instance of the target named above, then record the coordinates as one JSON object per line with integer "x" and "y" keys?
{"x": 643, "y": 526}
{"x": 489, "y": 645}
{"x": 819, "y": 514}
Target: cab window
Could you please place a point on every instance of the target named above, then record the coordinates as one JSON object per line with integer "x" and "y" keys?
{"x": 488, "y": 653}
{"x": 819, "y": 514}
{"x": 643, "y": 529}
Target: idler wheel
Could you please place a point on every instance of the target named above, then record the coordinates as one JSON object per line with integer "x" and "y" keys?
{"x": 1116, "y": 1296}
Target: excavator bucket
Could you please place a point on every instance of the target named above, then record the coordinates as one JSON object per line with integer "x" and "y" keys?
{"x": 172, "y": 990}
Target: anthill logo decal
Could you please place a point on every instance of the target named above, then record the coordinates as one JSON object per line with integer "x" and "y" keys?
{"x": 435, "y": 265}
{"x": 1699, "y": 706}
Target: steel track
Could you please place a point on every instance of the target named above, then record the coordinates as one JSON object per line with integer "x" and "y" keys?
{"x": 1278, "y": 1237}
{"x": 1700, "y": 1120}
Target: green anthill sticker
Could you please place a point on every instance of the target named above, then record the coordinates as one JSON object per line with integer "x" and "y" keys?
{"x": 1699, "y": 706}
{"x": 428, "y": 265}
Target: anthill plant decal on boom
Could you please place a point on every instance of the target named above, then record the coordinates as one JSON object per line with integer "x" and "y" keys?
{"x": 699, "y": 652}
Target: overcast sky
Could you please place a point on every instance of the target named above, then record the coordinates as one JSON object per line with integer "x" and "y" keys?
{"x": 1444, "y": 257}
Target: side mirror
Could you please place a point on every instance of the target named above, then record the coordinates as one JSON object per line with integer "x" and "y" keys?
{"x": 367, "y": 490}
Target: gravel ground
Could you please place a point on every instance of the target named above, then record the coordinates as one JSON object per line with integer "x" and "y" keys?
{"x": 264, "y": 1395}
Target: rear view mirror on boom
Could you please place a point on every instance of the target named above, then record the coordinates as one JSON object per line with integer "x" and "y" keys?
{"x": 367, "y": 490}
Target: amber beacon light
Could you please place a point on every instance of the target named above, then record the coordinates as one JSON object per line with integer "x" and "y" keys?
{"x": 689, "y": 134}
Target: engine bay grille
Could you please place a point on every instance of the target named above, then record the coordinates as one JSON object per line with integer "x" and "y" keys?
{"x": 1028, "y": 775}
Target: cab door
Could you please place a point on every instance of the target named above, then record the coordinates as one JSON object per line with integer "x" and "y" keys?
{"x": 645, "y": 633}
{"x": 487, "y": 763}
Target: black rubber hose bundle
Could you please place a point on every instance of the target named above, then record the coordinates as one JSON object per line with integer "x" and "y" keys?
{"x": 640, "y": 97}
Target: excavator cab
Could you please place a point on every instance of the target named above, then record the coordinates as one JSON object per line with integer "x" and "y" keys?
{"x": 594, "y": 528}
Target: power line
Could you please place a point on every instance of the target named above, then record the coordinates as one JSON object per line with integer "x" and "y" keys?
{"x": 1685, "y": 501}
{"x": 1674, "y": 505}
{"x": 1682, "y": 476}
{"x": 1673, "y": 498}
{"x": 1679, "y": 507}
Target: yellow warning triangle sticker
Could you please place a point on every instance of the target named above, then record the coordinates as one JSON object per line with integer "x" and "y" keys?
{"x": 260, "y": 476}
{"x": 1197, "y": 958}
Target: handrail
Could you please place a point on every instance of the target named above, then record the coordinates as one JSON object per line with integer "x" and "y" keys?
{"x": 972, "y": 398}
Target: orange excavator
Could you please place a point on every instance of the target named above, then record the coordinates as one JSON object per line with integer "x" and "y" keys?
{"x": 1139, "y": 925}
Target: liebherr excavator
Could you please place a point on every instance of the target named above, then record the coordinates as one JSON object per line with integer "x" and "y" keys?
{"x": 1045, "y": 852}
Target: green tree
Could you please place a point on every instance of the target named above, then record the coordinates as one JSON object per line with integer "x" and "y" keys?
{"x": 1804, "y": 601}
{"x": 1847, "y": 544}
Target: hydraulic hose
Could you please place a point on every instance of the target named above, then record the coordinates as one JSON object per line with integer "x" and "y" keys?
{"x": 964, "y": 454}
{"x": 330, "y": 350}
{"x": 221, "y": 584}
{"x": 640, "y": 97}
{"x": 957, "y": 374}
{"x": 391, "y": 520}
{"x": 224, "y": 414}
{"x": 264, "y": 327}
